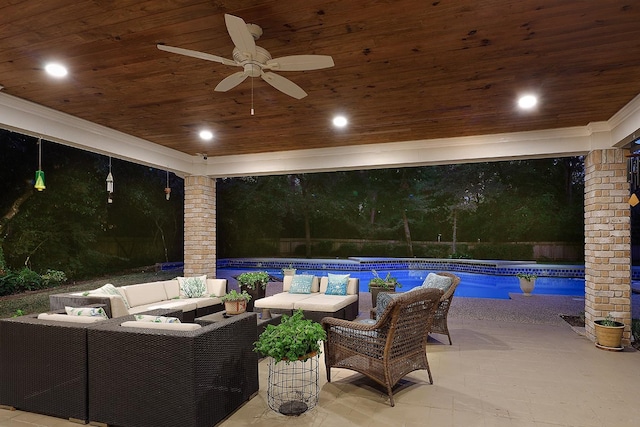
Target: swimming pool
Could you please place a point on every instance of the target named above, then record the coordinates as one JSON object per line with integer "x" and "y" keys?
{"x": 471, "y": 285}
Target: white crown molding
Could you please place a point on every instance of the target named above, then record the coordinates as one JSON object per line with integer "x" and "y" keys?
{"x": 26, "y": 117}
{"x": 36, "y": 120}
{"x": 561, "y": 142}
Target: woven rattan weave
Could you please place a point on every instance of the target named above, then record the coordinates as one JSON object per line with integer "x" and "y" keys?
{"x": 389, "y": 349}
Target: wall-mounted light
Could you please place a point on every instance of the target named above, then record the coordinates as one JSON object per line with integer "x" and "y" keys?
{"x": 39, "y": 185}
{"x": 109, "y": 184}
{"x": 167, "y": 189}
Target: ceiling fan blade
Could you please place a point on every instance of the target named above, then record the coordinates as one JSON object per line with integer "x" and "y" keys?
{"x": 300, "y": 63}
{"x": 240, "y": 35}
{"x": 231, "y": 81}
{"x": 284, "y": 85}
{"x": 196, "y": 54}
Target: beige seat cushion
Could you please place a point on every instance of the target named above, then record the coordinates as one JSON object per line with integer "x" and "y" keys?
{"x": 176, "y": 304}
{"x": 59, "y": 317}
{"x": 204, "y": 302}
{"x": 172, "y": 288}
{"x": 322, "y": 302}
{"x": 145, "y": 293}
{"x": 283, "y": 300}
{"x": 216, "y": 287}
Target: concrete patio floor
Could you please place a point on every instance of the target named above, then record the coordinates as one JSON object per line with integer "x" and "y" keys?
{"x": 512, "y": 363}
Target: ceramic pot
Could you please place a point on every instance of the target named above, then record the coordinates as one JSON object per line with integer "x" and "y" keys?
{"x": 527, "y": 286}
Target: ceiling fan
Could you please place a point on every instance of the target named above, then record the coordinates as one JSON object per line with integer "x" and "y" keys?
{"x": 256, "y": 61}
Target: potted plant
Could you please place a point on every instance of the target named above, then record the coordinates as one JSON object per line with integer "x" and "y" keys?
{"x": 609, "y": 333}
{"x": 289, "y": 271}
{"x": 295, "y": 338}
{"x": 293, "y": 385}
{"x": 235, "y": 302}
{"x": 378, "y": 284}
{"x": 255, "y": 284}
{"x": 527, "y": 282}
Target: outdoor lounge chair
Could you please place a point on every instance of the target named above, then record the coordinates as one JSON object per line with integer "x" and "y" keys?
{"x": 440, "y": 325}
{"x": 440, "y": 319}
{"x": 388, "y": 349}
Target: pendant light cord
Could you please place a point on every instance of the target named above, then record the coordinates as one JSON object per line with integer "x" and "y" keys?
{"x": 252, "y": 96}
{"x": 39, "y": 154}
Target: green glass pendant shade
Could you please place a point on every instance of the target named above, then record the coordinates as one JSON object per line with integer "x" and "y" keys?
{"x": 39, "y": 181}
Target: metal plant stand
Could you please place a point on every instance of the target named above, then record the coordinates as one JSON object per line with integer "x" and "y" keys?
{"x": 293, "y": 386}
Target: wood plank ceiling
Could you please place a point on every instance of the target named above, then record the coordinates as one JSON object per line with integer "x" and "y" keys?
{"x": 405, "y": 69}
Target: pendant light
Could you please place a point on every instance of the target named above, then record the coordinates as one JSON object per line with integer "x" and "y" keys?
{"x": 167, "y": 189}
{"x": 109, "y": 184}
{"x": 39, "y": 185}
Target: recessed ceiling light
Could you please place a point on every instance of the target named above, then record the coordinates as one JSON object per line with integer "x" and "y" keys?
{"x": 56, "y": 70}
{"x": 527, "y": 102}
{"x": 206, "y": 135}
{"x": 340, "y": 121}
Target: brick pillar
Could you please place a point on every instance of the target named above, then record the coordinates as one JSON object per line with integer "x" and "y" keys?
{"x": 199, "y": 226}
{"x": 607, "y": 233}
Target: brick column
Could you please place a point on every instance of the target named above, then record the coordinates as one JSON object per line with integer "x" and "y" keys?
{"x": 199, "y": 226}
{"x": 607, "y": 233}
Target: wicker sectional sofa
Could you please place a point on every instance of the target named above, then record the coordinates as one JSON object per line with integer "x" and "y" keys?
{"x": 142, "y": 377}
{"x": 43, "y": 363}
{"x": 142, "y": 297}
{"x": 316, "y": 304}
{"x": 126, "y": 372}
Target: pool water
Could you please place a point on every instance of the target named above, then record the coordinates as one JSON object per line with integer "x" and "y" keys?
{"x": 471, "y": 285}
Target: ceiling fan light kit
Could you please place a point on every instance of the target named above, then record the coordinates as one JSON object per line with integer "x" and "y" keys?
{"x": 256, "y": 61}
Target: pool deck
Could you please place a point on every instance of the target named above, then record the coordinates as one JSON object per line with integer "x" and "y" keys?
{"x": 512, "y": 363}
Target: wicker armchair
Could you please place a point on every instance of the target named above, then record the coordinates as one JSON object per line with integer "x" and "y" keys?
{"x": 389, "y": 349}
{"x": 440, "y": 319}
{"x": 440, "y": 325}
{"x": 142, "y": 377}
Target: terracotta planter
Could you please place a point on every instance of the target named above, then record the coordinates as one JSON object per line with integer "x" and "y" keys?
{"x": 235, "y": 307}
{"x": 375, "y": 290}
{"x": 527, "y": 286}
{"x": 609, "y": 337}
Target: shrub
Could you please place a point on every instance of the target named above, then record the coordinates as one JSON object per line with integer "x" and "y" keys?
{"x": 635, "y": 330}
{"x": 53, "y": 277}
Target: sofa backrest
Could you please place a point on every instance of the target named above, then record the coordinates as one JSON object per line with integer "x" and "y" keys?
{"x": 352, "y": 285}
{"x": 217, "y": 287}
{"x": 172, "y": 288}
{"x": 164, "y": 326}
{"x": 145, "y": 293}
{"x": 286, "y": 284}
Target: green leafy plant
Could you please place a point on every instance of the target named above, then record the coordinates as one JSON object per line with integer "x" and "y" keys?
{"x": 53, "y": 277}
{"x": 635, "y": 330}
{"x": 253, "y": 279}
{"x": 236, "y": 296}
{"x": 389, "y": 282}
{"x": 609, "y": 321}
{"x": 295, "y": 338}
{"x": 526, "y": 276}
{"x": 18, "y": 313}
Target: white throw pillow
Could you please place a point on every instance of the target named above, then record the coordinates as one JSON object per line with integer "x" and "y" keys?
{"x": 156, "y": 319}
{"x": 193, "y": 287}
{"x": 86, "y": 311}
{"x": 109, "y": 289}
